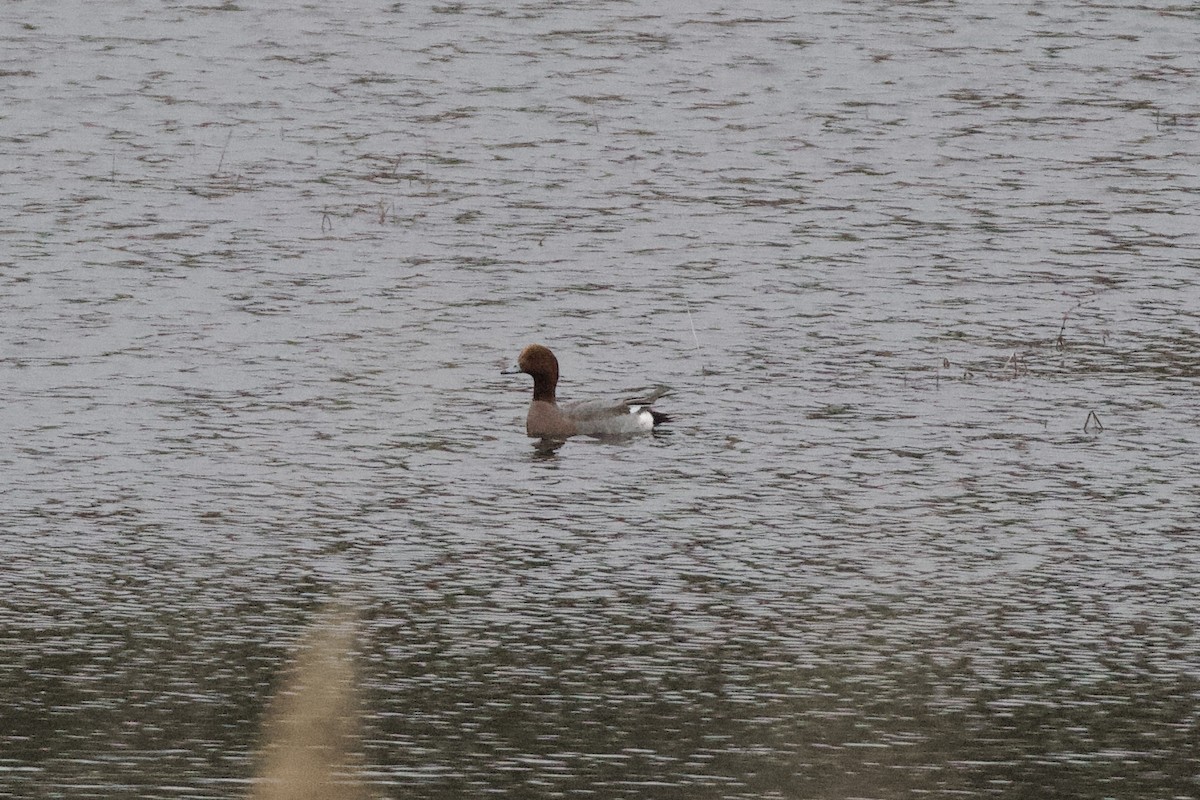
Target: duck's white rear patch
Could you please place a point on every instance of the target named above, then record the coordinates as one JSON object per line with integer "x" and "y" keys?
{"x": 643, "y": 417}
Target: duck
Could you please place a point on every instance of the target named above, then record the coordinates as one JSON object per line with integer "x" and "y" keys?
{"x": 548, "y": 419}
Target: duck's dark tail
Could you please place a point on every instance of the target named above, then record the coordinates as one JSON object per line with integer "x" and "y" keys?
{"x": 659, "y": 417}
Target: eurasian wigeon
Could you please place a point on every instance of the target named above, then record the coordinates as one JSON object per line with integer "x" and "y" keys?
{"x": 548, "y": 419}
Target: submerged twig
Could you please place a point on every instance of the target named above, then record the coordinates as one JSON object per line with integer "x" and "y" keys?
{"x": 221, "y": 160}
{"x": 1092, "y": 423}
{"x": 1061, "y": 342}
{"x": 695, "y": 339}
{"x": 1018, "y": 367}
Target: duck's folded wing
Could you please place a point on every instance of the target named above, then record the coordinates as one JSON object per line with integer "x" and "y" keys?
{"x": 611, "y": 407}
{"x": 589, "y": 410}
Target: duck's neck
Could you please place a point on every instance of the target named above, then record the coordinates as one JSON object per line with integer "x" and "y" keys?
{"x": 543, "y": 387}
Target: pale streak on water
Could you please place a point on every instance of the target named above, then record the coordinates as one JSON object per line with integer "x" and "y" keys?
{"x": 259, "y": 267}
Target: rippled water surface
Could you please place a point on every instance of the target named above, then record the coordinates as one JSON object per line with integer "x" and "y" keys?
{"x": 925, "y": 280}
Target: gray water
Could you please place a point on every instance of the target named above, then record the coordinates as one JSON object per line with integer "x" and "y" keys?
{"x": 925, "y": 280}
